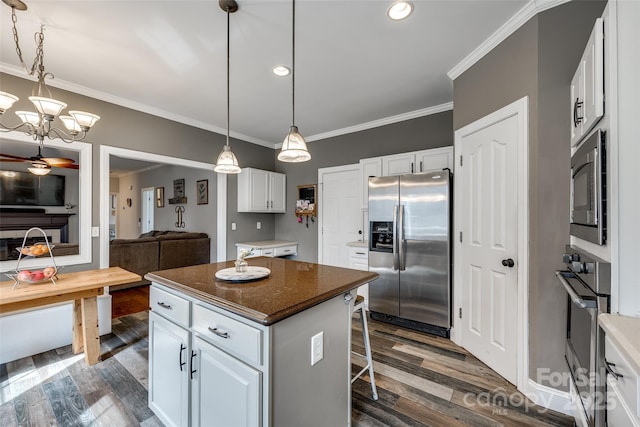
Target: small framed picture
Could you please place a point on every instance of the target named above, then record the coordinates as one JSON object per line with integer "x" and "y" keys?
{"x": 160, "y": 197}
{"x": 202, "y": 191}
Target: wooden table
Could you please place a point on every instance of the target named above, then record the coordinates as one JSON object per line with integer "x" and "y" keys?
{"x": 82, "y": 288}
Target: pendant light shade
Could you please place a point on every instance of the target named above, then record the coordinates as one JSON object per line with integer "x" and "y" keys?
{"x": 294, "y": 149}
{"x": 227, "y": 161}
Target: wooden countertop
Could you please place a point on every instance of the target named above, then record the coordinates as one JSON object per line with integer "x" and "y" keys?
{"x": 292, "y": 286}
{"x": 625, "y": 332}
{"x": 66, "y": 283}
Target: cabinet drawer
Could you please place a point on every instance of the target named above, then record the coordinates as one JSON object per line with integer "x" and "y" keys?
{"x": 627, "y": 383}
{"x": 169, "y": 305}
{"x": 356, "y": 252}
{"x": 618, "y": 412}
{"x": 268, "y": 252}
{"x": 286, "y": 250}
{"x": 237, "y": 338}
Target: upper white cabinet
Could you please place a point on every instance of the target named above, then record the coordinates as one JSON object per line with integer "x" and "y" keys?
{"x": 403, "y": 163}
{"x": 417, "y": 161}
{"x": 368, "y": 169}
{"x": 587, "y": 86}
{"x": 261, "y": 191}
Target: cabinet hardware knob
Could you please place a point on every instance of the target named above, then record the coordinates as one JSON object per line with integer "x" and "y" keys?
{"x": 182, "y": 348}
{"x": 165, "y": 305}
{"x": 219, "y": 333}
{"x": 421, "y": 166}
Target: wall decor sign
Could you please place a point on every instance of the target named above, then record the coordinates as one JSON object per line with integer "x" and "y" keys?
{"x": 160, "y": 197}
{"x": 202, "y": 191}
{"x": 178, "y": 192}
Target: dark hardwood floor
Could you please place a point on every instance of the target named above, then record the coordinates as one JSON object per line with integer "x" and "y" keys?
{"x": 129, "y": 301}
{"x": 422, "y": 381}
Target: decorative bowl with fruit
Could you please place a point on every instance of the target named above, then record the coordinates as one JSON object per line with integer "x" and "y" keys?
{"x": 35, "y": 250}
{"x": 35, "y": 275}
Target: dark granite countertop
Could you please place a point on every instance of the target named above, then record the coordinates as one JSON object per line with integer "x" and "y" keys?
{"x": 292, "y": 286}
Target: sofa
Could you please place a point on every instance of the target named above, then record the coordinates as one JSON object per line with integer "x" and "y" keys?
{"x": 158, "y": 250}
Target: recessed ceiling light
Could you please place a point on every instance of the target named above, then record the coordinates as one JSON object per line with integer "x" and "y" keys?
{"x": 400, "y": 10}
{"x": 281, "y": 71}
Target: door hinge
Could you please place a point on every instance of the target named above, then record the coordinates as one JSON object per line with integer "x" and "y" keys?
{"x": 460, "y": 160}
{"x": 460, "y": 312}
{"x": 461, "y": 237}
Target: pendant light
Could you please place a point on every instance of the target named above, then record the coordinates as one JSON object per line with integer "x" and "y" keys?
{"x": 294, "y": 149}
{"x": 227, "y": 162}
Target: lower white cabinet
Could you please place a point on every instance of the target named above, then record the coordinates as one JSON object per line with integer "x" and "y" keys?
{"x": 195, "y": 382}
{"x": 623, "y": 388}
{"x": 225, "y": 391}
{"x": 359, "y": 260}
{"x": 220, "y": 369}
{"x": 169, "y": 354}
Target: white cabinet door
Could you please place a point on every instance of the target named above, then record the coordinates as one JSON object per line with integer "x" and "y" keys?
{"x": 587, "y": 86}
{"x": 277, "y": 190}
{"x": 258, "y": 190}
{"x": 168, "y": 371}
{"x": 577, "y": 97}
{"x": 398, "y": 164}
{"x": 225, "y": 391}
{"x": 594, "y": 77}
{"x": 434, "y": 159}
{"x": 369, "y": 168}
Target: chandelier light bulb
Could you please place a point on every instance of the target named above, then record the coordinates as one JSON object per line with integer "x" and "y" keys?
{"x": 48, "y": 107}
{"x": 29, "y": 117}
{"x": 70, "y": 123}
{"x": 84, "y": 119}
{"x": 6, "y": 101}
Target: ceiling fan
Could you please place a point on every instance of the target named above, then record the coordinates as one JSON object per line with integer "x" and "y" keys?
{"x": 41, "y": 165}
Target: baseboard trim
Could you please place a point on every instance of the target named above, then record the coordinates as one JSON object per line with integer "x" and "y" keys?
{"x": 550, "y": 398}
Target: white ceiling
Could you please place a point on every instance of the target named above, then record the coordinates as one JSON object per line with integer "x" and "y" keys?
{"x": 354, "y": 65}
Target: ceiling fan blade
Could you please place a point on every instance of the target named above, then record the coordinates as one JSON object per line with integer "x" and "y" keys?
{"x": 12, "y": 160}
{"x": 15, "y": 158}
{"x": 67, "y": 166}
{"x": 58, "y": 161}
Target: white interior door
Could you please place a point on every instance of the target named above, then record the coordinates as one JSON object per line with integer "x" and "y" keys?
{"x": 148, "y": 204}
{"x": 489, "y": 226}
{"x": 340, "y": 213}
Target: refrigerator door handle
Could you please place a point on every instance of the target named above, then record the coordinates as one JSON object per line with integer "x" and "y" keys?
{"x": 401, "y": 243}
{"x": 395, "y": 237}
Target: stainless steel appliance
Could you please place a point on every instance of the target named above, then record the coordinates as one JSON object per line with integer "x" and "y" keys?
{"x": 409, "y": 247}
{"x": 588, "y": 190}
{"x": 587, "y": 281}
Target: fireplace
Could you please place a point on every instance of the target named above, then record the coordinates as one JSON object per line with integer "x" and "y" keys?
{"x": 16, "y": 222}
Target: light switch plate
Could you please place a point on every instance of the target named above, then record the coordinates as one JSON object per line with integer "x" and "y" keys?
{"x": 317, "y": 348}
{"x": 258, "y": 225}
{"x": 233, "y": 226}
{"x": 95, "y": 231}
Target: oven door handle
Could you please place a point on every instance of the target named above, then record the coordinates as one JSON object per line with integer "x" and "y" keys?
{"x": 575, "y": 298}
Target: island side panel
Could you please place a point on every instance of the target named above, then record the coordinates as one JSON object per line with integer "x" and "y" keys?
{"x": 318, "y": 395}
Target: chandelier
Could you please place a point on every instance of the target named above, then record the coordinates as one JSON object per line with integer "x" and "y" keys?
{"x": 38, "y": 124}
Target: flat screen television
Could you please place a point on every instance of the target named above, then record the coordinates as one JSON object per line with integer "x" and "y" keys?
{"x": 26, "y": 189}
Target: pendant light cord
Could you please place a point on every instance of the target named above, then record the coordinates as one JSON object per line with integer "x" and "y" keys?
{"x": 228, "y": 95}
{"x": 293, "y": 66}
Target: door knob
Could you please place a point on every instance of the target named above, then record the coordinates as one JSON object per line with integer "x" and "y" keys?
{"x": 508, "y": 262}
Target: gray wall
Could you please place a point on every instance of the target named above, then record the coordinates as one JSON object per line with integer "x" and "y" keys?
{"x": 538, "y": 61}
{"x": 126, "y": 128}
{"x": 431, "y": 131}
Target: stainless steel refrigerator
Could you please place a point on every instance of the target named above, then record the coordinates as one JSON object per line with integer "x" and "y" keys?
{"x": 409, "y": 247}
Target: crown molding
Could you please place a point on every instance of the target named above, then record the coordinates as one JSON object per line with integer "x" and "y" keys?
{"x": 381, "y": 122}
{"x": 530, "y": 10}
{"x": 112, "y": 99}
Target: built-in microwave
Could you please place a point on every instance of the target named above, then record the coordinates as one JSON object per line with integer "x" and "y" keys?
{"x": 589, "y": 190}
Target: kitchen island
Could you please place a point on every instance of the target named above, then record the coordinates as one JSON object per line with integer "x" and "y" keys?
{"x": 269, "y": 352}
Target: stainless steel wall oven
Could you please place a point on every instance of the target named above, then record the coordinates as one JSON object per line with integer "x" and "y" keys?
{"x": 587, "y": 281}
{"x": 589, "y": 190}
